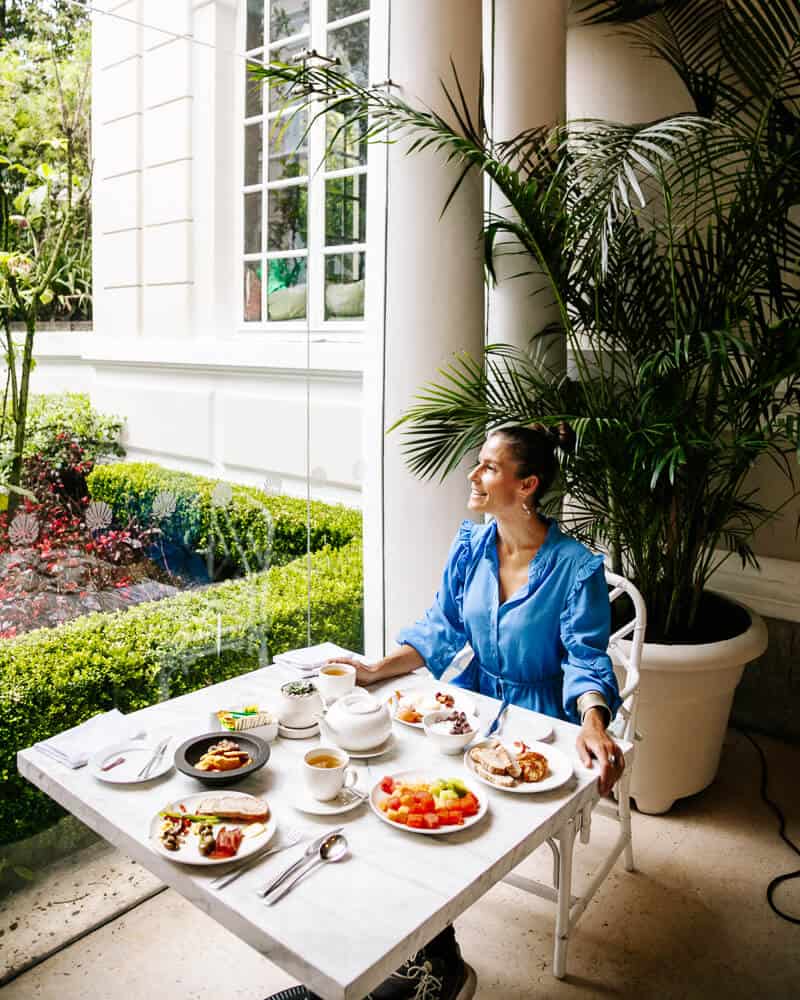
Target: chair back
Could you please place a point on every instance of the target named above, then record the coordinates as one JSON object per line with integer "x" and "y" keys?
{"x": 627, "y": 655}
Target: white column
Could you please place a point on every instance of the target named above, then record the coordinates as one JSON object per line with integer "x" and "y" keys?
{"x": 432, "y": 308}
{"x": 117, "y": 168}
{"x": 526, "y": 78}
{"x": 218, "y": 77}
{"x": 167, "y": 197}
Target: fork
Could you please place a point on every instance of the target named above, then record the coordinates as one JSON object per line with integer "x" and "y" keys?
{"x": 158, "y": 753}
{"x": 291, "y": 836}
{"x": 496, "y": 722}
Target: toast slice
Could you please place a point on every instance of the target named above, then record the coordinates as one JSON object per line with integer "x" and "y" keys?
{"x": 242, "y": 808}
{"x": 501, "y": 780}
{"x": 493, "y": 759}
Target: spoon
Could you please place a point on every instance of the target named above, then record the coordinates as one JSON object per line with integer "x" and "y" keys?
{"x": 332, "y": 849}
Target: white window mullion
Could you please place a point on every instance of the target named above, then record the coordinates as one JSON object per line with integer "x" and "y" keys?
{"x": 316, "y": 193}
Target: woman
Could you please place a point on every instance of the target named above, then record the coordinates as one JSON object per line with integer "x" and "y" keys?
{"x": 531, "y": 602}
{"x": 533, "y": 605}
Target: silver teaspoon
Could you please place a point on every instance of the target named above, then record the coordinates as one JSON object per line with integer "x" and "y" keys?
{"x": 331, "y": 850}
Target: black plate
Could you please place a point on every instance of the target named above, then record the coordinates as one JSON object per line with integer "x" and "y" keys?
{"x": 188, "y": 754}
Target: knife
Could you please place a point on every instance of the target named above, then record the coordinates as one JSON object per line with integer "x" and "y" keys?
{"x": 306, "y": 858}
{"x": 293, "y": 838}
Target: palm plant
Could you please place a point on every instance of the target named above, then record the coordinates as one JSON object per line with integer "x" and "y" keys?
{"x": 672, "y": 253}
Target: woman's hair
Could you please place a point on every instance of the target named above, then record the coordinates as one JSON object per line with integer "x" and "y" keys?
{"x": 533, "y": 449}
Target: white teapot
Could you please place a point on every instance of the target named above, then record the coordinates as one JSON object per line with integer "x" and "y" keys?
{"x": 356, "y": 721}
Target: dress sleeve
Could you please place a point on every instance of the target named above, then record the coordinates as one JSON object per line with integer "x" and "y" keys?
{"x": 440, "y": 633}
{"x": 585, "y": 628}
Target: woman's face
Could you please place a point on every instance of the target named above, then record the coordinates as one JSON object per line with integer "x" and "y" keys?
{"x": 495, "y": 486}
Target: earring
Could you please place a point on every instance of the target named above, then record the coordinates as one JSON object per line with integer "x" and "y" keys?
{"x": 527, "y": 509}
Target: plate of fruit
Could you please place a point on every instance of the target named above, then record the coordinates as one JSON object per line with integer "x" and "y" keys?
{"x": 412, "y": 705}
{"x": 423, "y": 802}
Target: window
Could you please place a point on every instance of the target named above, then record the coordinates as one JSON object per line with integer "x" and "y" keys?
{"x": 304, "y": 229}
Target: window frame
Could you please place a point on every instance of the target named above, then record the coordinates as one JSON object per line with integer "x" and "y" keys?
{"x": 316, "y": 253}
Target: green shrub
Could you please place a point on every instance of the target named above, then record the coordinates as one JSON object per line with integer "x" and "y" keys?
{"x": 53, "y": 679}
{"x": 249, "y": 531}
{"x": 55, "y": 419}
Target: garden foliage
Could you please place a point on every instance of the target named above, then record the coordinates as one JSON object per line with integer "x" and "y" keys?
{"x": 248, "y": 528}
{"x": 53, "y": 679}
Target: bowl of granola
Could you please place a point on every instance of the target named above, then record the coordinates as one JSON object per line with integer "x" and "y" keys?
{"x": 449, "y": 730}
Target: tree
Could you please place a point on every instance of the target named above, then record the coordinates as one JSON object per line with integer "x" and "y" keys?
{"x": 44, "y": 206}
{"x": 25, "y": 18}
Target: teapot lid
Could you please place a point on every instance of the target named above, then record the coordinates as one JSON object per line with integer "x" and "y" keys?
{"x": 359, "y": 703}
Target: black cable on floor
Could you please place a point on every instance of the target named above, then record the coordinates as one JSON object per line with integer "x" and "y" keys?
{"x": 779, "y": 879}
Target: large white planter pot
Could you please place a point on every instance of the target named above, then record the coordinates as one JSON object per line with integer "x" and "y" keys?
{"x": 685, "y": 699}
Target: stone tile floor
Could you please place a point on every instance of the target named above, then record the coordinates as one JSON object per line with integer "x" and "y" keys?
{"x": 692, "y": 922}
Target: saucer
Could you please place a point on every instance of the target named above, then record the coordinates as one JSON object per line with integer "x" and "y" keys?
{"x": 298, "y": 732}
{"x": 375, "y": 751}
{"x": 343, "y": 802}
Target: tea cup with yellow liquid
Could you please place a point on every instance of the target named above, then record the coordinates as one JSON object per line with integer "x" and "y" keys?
{"x": 335, "y": 680}
{"x": 326, "y": 772}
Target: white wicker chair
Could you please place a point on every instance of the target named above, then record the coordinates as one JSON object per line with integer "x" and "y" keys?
{"x": 625, "y": 645}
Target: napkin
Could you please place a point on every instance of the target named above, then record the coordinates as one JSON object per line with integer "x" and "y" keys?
{"x": 308, "y": 660}
{"x": 75, "y": 746}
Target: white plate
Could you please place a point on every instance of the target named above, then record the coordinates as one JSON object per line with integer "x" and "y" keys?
{"x": 375, "y": 751}
{"x": 415, "y": 778}
{"x": 188, "y": 853}
{"x": 424, "y": 696}
{"x": 298, "y": 732}
{"x": 136, "y": 754}
{"x": 344, "y": 802}
{"x": 561, "y": 770}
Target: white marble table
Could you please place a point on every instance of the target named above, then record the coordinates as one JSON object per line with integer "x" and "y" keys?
{"x": 347, "y": 926}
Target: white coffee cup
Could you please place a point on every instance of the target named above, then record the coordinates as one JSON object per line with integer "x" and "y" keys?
{"x": 335, "y": 680}
{"x": 326, "y": 773}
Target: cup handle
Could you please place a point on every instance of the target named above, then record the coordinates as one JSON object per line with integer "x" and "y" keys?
{"x": 349, "y": 774}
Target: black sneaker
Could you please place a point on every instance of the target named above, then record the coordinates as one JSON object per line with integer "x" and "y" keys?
{"x": 294, "y": 993}
{"x": 429, "y": 975}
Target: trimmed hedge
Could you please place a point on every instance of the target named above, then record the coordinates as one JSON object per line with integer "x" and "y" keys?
{"x": 52, "y": 679}
{"x": 252, "y": 530}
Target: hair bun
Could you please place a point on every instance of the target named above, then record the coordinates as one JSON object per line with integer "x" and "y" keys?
{"x": 561, "y": 435}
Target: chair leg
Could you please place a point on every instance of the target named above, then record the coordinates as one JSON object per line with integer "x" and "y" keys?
{"x": 566, "y": 840}
{"x": 624, "y": 813}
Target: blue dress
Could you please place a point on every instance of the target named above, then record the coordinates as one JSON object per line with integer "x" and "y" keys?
{"x": 544, "y": 646}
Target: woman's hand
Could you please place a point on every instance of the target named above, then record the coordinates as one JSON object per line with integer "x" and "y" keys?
{"x": 594, "y": 743}
{"x": 366, "y": 673}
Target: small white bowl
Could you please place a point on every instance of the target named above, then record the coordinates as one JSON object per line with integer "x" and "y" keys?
{"x": 448, "y": 743}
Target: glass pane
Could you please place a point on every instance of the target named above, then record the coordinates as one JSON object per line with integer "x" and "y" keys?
{"x": 350, "y": 45}
{"x": 345, "y": 210}
{"x": 286, "y": 288}
{"x": 344, "y": 285}
{"x": 253, "y": 154}
{"x": 344, "y": 8}
{"x": 280, "y": 95}
{"x": 287, "y": 17}
{"x": 347, "y": 143}
{"x": 253, "y": 96}
{"x": 287, "y": 211}
{"x": 288, "y": 147}
{"x": 252, "y": 290}
{"x": 252, "y": 222}
{"x": 255, "y": 24}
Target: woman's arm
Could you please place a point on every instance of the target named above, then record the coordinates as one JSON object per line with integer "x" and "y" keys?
{"x": 401, "y": 661}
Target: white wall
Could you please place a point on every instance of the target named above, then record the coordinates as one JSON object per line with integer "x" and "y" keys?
{"x": 168, "y": 351}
